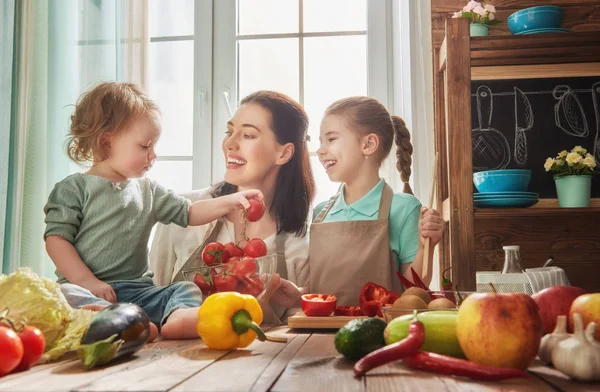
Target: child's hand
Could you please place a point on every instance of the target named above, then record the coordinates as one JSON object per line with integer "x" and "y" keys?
{"x": 431, "y": 225}
{"x": 102, "y": 290}
{"x": 240, "y": 199}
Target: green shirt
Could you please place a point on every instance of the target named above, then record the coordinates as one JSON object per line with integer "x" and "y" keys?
{"x": 109, "y": 223}
{"x": 403, "y": 219}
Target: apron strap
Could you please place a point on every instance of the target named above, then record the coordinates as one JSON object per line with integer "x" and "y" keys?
{"x": 387, "y": 194}
{"x": 280, "y": 251}
{"x": 328, "y": 206}
{"x": 195, "y": 259}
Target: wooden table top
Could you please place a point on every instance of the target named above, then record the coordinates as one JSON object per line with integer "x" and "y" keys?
{"x": 307, "y": 362}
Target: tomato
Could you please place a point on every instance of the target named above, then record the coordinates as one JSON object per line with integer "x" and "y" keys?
{"x": 225, "y": 282}
{"x": 352, "y": 311}
{"x": 255, "y": 248}
{"x": 234, "y": 250}
{"x": 251, "y": 285}
{"x": 33, "y": 347}
{"x": 214, "y": 251}
{"x": 318, "y": 305}
{"x": 205, "y": 283}
{"x": 231, "y": 265}
{"x": 11, "y": 350}
{"x": 255, "y": 211}
{"x": 246, "y": 268}
{"x": 373, "y": 297}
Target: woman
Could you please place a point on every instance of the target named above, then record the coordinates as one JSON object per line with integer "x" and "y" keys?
{"x": 264, "y": 148}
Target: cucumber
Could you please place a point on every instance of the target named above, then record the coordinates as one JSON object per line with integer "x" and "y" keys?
{"x": 440, "y": 331}
{"x": 359, "y": 337}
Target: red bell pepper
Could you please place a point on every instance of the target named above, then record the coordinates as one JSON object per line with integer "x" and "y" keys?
{"x": 351, "y": 311}
{"x": 373, "y": 297}
{"x": 318, "y": 305}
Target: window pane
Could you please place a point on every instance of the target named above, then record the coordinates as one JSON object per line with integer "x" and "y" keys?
{"x": 334, "y": 68}
{"x": 175, "y": 175}
{"x": 325, "y": 187}
{"x": 172, "y": 87}
{"x": 335, "y": 15}
{"x": 267, "y": 16}
{"x": 169, "y": 18}
{"x": 269, "y": 64}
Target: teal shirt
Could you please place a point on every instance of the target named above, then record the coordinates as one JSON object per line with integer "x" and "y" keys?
{"x": 403, "y": 219}
{"x": 109, "y": 223}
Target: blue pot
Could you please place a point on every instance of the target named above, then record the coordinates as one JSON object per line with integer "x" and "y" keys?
{"x": 540, "y": 17}
{"x": 509, "y": 180}
{"x": 479, "y": 30}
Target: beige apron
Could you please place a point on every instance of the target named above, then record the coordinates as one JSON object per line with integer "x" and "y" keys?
{"x": 195, "y": 261}
{"x": 346, "y": 255}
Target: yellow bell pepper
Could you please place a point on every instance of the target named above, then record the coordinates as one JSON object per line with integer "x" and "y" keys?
{"x": 230, "y": 320}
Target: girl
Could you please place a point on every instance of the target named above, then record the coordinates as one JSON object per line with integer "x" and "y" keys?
{"x": 366, "y": 232}
{"x": 264, "y": 147}
{"x": 98, "y": 222}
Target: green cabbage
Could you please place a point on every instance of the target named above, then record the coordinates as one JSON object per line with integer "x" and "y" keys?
{"x": 38, "y": 301}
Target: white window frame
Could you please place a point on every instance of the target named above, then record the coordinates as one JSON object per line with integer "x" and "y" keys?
{"x": 225, "y": 83}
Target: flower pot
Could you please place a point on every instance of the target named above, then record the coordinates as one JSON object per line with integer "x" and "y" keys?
{"x": 479, "y": 30}
{"x": 574, "y": 191}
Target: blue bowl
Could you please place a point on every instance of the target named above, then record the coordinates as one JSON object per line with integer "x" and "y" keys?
{"x": 509, "y": 180}
{"x": 540, "y": 17}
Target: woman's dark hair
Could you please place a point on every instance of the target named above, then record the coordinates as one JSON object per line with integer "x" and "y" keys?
{"x": 295, "y": 186}
{"x": 366, "y": 115}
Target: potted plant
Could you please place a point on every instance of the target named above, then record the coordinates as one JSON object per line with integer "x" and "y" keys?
{"x": 573, "y": 176}
{"x": 480, "y": 15}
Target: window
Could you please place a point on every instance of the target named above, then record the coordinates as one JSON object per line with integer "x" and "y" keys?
{"x": 209, "y": 59}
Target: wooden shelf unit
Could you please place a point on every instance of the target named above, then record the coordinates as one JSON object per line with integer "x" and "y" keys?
{"x": 458, "y": 58}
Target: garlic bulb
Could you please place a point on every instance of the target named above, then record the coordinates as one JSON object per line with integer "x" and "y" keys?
{"x": 579, "y": 356}
{"x": 550, "y": 341}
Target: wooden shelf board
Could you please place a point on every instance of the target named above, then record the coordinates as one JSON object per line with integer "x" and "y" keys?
{"x": 529, "y": 212}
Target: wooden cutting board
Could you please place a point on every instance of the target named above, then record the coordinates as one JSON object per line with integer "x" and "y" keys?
{"x": 301, "y": 321}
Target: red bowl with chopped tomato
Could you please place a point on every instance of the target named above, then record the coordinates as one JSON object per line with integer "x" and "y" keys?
{"x": 245, "y": 275}
{"x": 318, "y": 305}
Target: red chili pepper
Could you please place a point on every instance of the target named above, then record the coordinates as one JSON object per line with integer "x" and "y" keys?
{"x": 405, "y": 282}
{"x": 444, "y": 364}
{"x": 373, "y": 297}
{"x": 417, "y": 280}
{"x": 410, "y": 345}
{"x": 447, "y": 286}
{"x": 352, "y": 311}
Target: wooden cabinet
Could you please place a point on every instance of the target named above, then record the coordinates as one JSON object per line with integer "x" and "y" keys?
{"x": 474, "y": 239}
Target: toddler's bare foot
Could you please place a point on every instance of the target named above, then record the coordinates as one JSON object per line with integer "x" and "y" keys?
{"x": 181, "y": 324}
{"x": 153, "y": 328}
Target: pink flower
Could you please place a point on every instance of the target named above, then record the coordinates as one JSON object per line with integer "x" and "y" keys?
{"x": 480, "y": 10}
{"x": 491, "y": 16}
{"x": 470, "y": 6}
{"x": 457, "y": 14}
{"x": 490, "y": 8}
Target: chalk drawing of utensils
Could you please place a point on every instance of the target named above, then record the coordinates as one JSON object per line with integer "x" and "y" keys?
{"x": 523, "y": 123}
{"x": 568, "y": 112}
{"x": 490, "y": 147}
{"x": 596, "y": 101}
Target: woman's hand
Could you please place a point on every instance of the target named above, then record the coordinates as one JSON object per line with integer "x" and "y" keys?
{"x": 431, "y": 225}
{"x": 280, "y": 292}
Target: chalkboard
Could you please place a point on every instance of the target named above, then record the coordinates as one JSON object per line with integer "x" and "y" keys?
{"x": 519, "y": 123}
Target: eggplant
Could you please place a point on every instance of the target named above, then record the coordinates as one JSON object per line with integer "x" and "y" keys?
{"x": 116, "y": 331}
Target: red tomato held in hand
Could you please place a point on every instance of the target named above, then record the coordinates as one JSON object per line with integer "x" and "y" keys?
{"x": 351, "y": 311}
{"x": 11, "y": 350}
{"x": 225, "y": 282}
{"x": 255, "y": 211}
{"x": 214, "y": 251}
{"x": 318, "y": 305}
{"x": 251, "y": 285}
{"x": 33, "y": 347}
{"x": 255, "y": 248}
{"x": 234, "y": 251}
{"x": 246, "y": 268}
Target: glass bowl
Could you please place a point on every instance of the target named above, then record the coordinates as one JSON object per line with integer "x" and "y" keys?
{"x": 250, "y": 275}
{"x": 390, "y": 313}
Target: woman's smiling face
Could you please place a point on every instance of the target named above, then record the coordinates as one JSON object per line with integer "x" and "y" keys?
{"x": 250, "y": 148}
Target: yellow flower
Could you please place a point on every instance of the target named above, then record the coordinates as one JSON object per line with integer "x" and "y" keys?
{"x": 560, "y": 162}
{"x": 589, "y": 161}
{"x": 579, "y": 150}
{"x": 563, "y": 154}
{"x": 549, "y": 163}
{"x": 573, "y": 158}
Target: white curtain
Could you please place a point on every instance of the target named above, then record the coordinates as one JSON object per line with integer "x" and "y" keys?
{"x": 62, "y": 48}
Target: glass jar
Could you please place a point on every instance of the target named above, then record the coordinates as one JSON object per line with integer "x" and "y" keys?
{"x": 512, "y": 259}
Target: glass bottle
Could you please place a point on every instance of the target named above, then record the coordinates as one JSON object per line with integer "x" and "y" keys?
{"x": 512, "y": 259}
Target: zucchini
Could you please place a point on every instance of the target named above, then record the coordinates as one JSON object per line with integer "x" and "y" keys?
{"x": 116, "y": 331}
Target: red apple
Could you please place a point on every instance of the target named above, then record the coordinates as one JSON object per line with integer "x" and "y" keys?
{"x": 499, "y": 329}
{"x": 555, "y": 301}
{"x": 588, "y": 305}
